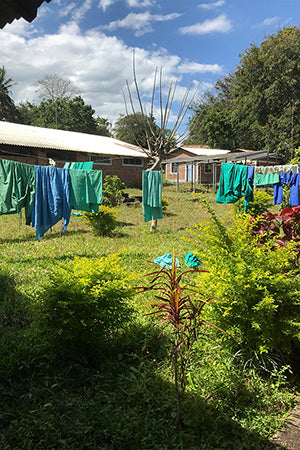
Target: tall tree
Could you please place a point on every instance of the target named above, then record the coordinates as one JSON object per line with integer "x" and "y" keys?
{"x": 53, "y": 87}
{"x": 8, "y": 110}
{"x": 64, "y": 114}
{"x": 260, "y": 103}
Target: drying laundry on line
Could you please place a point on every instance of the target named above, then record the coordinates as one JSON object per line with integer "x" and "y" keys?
{"x": 48, "y": 193}
{"x": 237, "y": 181}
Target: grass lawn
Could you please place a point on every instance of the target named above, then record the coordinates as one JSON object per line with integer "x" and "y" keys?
{"x": 125, "y": 398}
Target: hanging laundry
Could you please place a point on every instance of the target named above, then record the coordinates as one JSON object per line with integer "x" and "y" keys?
{"x": 85, "y": 190}
{"x": 86, "y": 165}
{"x": 234, "y": 184}
{"x": 152, "y": 188}
{"x": 266, "y": 178}
{"x": 293, "y": 181}
{"x": 17, "y": 187}
{"x": 52, "y": 199}
{"x": 285, "y": 168}
{"x": 250, "y": 179}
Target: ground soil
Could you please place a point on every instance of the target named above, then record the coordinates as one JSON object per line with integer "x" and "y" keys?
{"x": 289, "y": 436}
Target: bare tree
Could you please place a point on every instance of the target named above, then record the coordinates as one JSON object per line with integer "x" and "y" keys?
{"x": 159, "y": 143}
{"x": 53, "y": 87}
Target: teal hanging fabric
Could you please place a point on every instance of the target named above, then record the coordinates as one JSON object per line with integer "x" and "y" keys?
{"x": 86, "y": 165}
{"x": 17, "y": 187}
{"x": 265, "y": 179}
{"x": 234, "y": 184}
{"x": 85, "y": 190}
{"x": 152, "y": 188}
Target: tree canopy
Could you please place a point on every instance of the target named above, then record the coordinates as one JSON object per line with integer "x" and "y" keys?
{"x": 64, "y": 114}
{"x": 53, "y": 87}
{"x": 8, "y": 109}
{"x": 258, "y": 106}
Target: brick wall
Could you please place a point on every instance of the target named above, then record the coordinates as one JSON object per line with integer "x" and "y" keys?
{"x": 130, "y": 175}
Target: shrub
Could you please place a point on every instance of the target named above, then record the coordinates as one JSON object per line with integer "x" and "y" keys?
{"x": 104, "y": 222}
{"x": 85, "y": 304}
{"x": 164, "y": 203}
{"x": 262, "y": 202}
{"x": 260, "y": 286}
{"x": 113, "y": 189}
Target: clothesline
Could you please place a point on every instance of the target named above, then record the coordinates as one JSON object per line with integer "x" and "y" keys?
{"x": 238, "y": 180}
{"x": 47, "y": 193}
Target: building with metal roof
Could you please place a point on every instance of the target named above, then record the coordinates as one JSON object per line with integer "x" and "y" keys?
{"x": 35, "y": 145}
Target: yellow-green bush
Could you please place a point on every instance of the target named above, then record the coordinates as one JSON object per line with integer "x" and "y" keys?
{"x": 84, "y": 303}
{"x": 262, "y": 202}
{"x": 104, "y": 222}
{"x": 259, "y": 287}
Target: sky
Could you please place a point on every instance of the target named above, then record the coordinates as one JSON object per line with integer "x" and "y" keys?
{"x": 91, "y": 42}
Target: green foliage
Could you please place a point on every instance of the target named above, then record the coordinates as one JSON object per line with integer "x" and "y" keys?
{"x": 85, "y": 303}
{"x": 113, "y": 189}
{"x": 260, "y": 286}
{"x": 134, "y": 129}
{"x": 179, "y": 309}
{"x": 164, "y": 203}
{"x": 253, "y": 108}
{"x": 64, "y": 114}
{"x": 104, "y": 222}
{"x": 8, "y": 110}
{"x": 262, "y": 203}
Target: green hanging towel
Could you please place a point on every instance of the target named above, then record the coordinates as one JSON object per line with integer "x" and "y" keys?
{"x": 17, "y": 187}
{"x": 85, "y": 190}
{"x": 234, "y": 184}
{"x": 86, "y": 165}
{"x": 152, "y": 208}
{"x": 265, "y": 179}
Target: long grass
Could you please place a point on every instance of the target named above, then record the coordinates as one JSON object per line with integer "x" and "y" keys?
{"x": 125, "y": 399}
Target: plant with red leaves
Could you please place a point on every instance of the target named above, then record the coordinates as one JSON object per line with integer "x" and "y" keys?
{"x": 179, "y": 308}
{"x": 281, "y": 228}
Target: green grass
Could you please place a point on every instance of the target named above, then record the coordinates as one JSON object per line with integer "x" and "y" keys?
{"x": 124, "y": 399}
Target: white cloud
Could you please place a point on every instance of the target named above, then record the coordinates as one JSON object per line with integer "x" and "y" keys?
{"x": 97, "y": 64}
{"x": 212, "y": 5}
{"x": 220, "y": 24}
{"x": 140, "y": 23}
{"x": 271, "y": 20}
{"x": 192, "y": 67}
{"x": 104, "y": 4}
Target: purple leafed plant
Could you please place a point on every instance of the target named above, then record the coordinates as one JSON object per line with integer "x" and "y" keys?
{"x": 281, "y": 228}
{"x": 179, "y": 308}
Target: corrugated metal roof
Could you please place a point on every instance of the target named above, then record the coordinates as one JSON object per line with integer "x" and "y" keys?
{"x": 200, "y": 151}
{"x": 29, "y": 136}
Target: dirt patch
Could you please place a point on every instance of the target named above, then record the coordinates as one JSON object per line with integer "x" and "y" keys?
{"x": 289, "y": 437}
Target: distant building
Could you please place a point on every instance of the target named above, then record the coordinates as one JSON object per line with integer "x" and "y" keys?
{"x": 35, "y": 145}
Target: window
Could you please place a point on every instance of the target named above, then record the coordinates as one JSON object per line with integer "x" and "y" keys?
{"x": 101, "y": 160}
{"x": 133, "y": 162}
{"x": 174, "y": 168}
{"x": 207, "y": 168}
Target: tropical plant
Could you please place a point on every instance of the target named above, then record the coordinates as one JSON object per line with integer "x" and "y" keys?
{"x": 178, "y": 308}
{"x": 8, "y": 110}
{"x": 280, "y": 228}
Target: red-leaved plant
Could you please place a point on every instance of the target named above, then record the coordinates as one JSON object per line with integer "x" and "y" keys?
{"x": 178, "y": 308}
{"x": 281, "y": 228}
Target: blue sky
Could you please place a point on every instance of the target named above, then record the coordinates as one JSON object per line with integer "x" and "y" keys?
{"x": 91, "y": 42}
